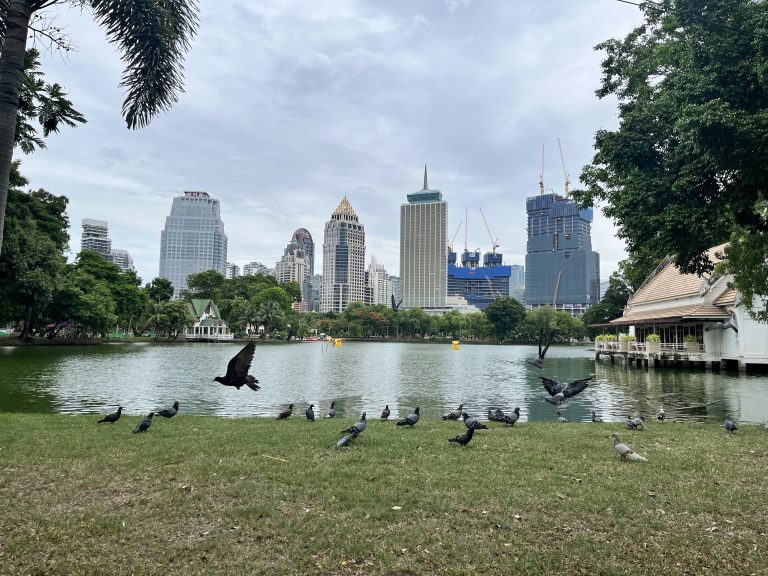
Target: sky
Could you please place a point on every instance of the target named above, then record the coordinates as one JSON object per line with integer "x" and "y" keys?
{"x": 291, "y": 104}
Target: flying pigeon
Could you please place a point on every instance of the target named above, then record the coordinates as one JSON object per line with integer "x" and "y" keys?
{"x": 385, "y": 412}
{"x": 729, "y": 424}
{"x": 625, "y": 452}
{"x": 464, "y": 438}
{"x": 285, "y": 413}
{"x": 310, "y": 413}
{"x": 561, "y": 418}
{"x": 112, "y": 418}
{"x": 636, "y": 423}
{"x": 237, "y": 369}
{"x": 596, "y": 419}
{"x": 510, "y": 419}
{"x": 144, "y": 424}
{"x": 169, "y": 412}
{"x": 345, "y": 440}
{"x": 472, "y": 423}
{"x": 455, "y": 415}
{"x": 558, "y": 393}
{"x": 332, "y": 411}
{"x": 356, "y": 428}
{"x": 661, "y": 415}
{"x": 410, "y": 420}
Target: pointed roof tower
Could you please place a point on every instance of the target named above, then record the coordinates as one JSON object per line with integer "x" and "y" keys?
{"x": 426, "y": 186}
{"x": 344, "y": 211}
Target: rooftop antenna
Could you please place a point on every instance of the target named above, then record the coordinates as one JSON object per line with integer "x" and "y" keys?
{"x": 426, "y": 187}
{"x": 466, "y": 219}
{"x": 567, "y": 177}
{"x": 541, "y": 176}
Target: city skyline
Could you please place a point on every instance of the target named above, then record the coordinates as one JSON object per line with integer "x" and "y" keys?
{"x": 346, "y": 97}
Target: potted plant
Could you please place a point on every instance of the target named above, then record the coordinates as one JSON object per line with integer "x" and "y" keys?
{"x": 653, "y": 343}
{"x": 598, "y": 342}
{"x": 624, "y": 341}
{"x": 692, "y": 344}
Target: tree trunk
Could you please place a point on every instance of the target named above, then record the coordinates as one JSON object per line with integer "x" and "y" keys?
{"x": 11, "y": 74}
{"x": 27, "y": 321}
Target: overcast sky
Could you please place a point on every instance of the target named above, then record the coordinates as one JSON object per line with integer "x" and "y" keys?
{"x": 290, "y": 105}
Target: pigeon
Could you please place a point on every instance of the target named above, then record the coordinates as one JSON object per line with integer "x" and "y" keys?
{"x": 169, "y": 412}
{"x": 596, "y": 419}
{"x": 729, "y": 424}
{"x": 144, "y": 424}
{"x": 558, "y": 393}
{"x": 510, "y": 419}
{"x": 661, "y": 415}
{"x": 455, "y": 415}
{"x": 464, "y": 438}
{"x": 766, "y": 424}
{"x": 237, "y": 369}
{"x": 625, "y": 452}
{"x": 332, "y": 411}
{"x": 561, "y": 418}
{"x": 636, "y": 423}
{"x": 285, "y": 413}
{"x": 345, "y": 440}
{"x": 385, "y": 412}
{"x": 112, "y": 418}
{"x": 356, "y": 428}
{"x": 495, "y": 415}
{"x": 410, "y": 420}
{"x": 472, "y": 423}
{"x": 310, "y": 413}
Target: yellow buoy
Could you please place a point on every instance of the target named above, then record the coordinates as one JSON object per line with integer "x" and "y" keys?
{"x": 337, "y": 342}
{"x": 455, "y": 345}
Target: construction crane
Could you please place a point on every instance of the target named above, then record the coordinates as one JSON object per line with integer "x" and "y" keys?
{"x": 494, "y": 243}
{"x": 453, "y": 238}
{"x": 565, "y": 172}
{"x": 541, "y": 175}
{"x": 494, "y": 292}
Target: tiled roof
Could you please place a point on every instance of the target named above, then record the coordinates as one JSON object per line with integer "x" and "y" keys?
{"x": 727, "y": 297}
{"x": 670, "y": 283}
{"x": 677, "y": 313}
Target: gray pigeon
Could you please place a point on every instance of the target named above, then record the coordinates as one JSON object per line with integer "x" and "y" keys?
{"x": 455, "y": 415}
{"x": 169, "y": 412}
{"x": 510, "y": 419}
{"x": 625, "y": 452}
{"x": 636, "y": 423}
{"x": 345, "y": 440}
{"x": 729, "y": 425}
{"x": 112, "y": 418}
{"x": 464, "y": 438}
{"x": 558, "y": 393}
{"x": 285, "y": 413}
{"x": 471, "y": 423}
{"x": 332, "y": 411}
{"x": 496, "y": 415}
{"x": 561, "y": 418}
{"x": 356, "y": 428}
{"x": 385, "y": 412}
{"x": 144, "y": 424}
{"x": 310, "y": 413}
{"x": 410, "y": 420}
{"x": 661, "y": 415}
{"x": 596, "y": 419}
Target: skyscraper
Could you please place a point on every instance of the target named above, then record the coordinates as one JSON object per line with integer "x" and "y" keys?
{"x": 559, "y": 257}
{"x": 193, "y": 239}
{"x": 423, "y": 249}
{"x": 95, "y": 237}
{"x": 231, "y": 270}
{"x": 292, "y": 267}
{"x": 343, "y": 260}
{"x": 378, "y": 282}
{"x": 307, "y": 244}
{"x": 122, "y": 258}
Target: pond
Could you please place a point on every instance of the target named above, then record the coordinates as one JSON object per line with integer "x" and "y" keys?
{"x": 363, "y": 376}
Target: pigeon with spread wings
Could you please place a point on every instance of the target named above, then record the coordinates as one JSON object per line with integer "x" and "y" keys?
{"x": 558, "y": 393}
{"x": 237, "y": 369}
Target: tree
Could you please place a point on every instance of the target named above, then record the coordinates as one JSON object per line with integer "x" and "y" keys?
{"x": 611, "y": 305}
{"x": 544, "y": 328}
{"x": 152, "y": 36}
{"x": 685, "y": 170}
{"x": 276, "y": 295}
{"x": 452, "y": 322}
{"x": 293, "y": 289}
{"x": 204, "y": 284}
{"x": 271, "y": 315}
{"x": 159, "y": 290}
{"x": 504, "y": 314}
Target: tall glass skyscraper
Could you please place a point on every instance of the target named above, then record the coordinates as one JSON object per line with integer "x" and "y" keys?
{"x": 193, "y": 239}
{"x": 343, "y": 260}
{"x": 424, "y": 249}
{"x": 559, "y": 256}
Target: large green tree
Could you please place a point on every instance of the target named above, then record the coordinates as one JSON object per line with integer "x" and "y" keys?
{"x": 504, "y": 314}
{"x": 686, "y": 170}
{"x": 152, "y": 35}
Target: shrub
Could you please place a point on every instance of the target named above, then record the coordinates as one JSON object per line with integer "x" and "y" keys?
{"x": 627, "y": 338}
{"x": 691, "y": 338}
{"x": 653, "y": 338}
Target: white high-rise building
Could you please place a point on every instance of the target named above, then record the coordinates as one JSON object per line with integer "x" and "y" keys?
{"x": 423, "y": 249}
{"x": 231, "y": 270}
{"x": 253, "y": 268}
{"x": 343, "y": 260}
{"x": 292, "y": 267}
{"x": 378, "y": 282}
{"x": 193, "y": 239}
{"x": 95, "y": 237}
{"x": 122, "y": 258}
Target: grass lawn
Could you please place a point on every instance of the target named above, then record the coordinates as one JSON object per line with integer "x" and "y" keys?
{"x": 205, "y": 495}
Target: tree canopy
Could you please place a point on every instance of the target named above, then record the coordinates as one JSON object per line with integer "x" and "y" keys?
{"x": 685, "y": 170}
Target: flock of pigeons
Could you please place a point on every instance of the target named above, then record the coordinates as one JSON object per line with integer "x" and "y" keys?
{"x": 237, "y": 376}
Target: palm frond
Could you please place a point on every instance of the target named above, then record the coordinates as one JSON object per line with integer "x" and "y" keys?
{"x": 153, "y": 37}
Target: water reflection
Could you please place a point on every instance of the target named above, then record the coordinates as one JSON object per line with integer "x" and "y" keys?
{"x": 363, "y": 376}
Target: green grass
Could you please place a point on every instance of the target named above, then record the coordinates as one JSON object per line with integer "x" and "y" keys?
{"x": 204, "y": 495}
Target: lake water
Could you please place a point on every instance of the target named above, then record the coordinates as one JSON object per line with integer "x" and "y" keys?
{"x": 362, "y": 376}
